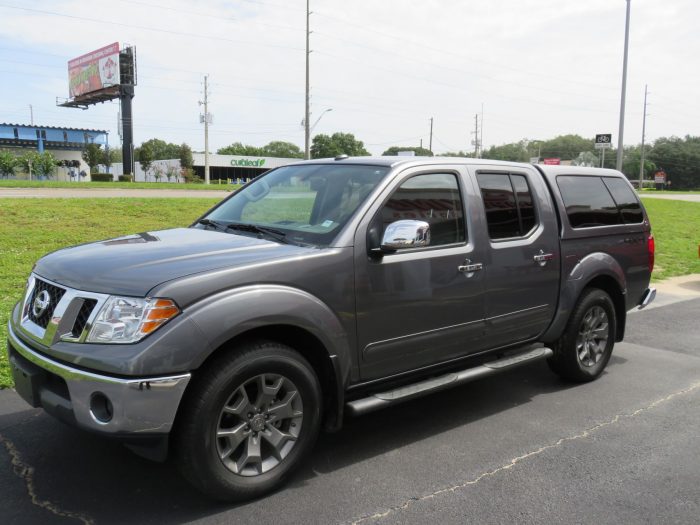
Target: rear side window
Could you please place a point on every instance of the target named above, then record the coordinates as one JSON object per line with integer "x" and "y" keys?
{"x": 626, "y": 200}
{"x": 510, "y": 211}
{"x": 588, "y": 202}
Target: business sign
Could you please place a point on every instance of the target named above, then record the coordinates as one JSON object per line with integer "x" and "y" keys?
{"x": 552, "y": 162}
{"x": 534, "y": 160}
{"x": 94, "y": 71}
{"x": 248, "y": 163}
{"x": 603, "y": 141}
{"x": 660, "y": 177}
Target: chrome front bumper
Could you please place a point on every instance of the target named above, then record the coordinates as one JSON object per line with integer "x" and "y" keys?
{"x": 134, "y": 406}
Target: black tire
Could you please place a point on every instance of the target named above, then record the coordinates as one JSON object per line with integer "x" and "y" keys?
{"x": 217, "y": 399}
{"x": 581, "y": 354}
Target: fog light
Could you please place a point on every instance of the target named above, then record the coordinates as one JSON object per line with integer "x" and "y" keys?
{"x": 101, "y": 408}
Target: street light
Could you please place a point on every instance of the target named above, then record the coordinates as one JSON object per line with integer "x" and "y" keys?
{"x": 319, "y": 118}
{"x": 621, "y": 131}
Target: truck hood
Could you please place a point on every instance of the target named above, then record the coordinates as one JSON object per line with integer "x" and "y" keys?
{"x": 134, "y": 264}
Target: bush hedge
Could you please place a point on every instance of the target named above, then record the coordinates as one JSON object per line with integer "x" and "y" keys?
{"x": 102, "y": 177}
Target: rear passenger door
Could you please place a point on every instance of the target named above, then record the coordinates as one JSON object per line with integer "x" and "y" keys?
{"x": 522, "y": 265}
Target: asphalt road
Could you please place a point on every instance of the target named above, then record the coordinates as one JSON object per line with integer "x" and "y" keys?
{"x": 522, "y": 447}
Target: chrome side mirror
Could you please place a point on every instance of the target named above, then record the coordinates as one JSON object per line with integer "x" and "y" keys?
{"x": 404, "y": 234}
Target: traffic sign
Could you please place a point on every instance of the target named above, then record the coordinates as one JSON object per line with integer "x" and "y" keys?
{"x": 603, "y": 141}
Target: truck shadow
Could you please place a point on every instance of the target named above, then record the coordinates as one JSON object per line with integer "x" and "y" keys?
{"x": 99, "y": 478}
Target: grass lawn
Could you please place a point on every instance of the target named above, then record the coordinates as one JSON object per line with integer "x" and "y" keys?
{"x": 676, "y": 227}
{"x": 12, "y": 183}
{"x": 30, "y": 228}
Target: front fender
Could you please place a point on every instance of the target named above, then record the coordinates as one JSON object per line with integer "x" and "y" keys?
{"x": 594, "y": 265}
{"x": 226, "y": 315}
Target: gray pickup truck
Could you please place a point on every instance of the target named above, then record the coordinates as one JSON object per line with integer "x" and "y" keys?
{"x": 325, "y": 288}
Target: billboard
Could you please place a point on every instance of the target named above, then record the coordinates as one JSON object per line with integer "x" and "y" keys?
{"x": 552, "y": 162}
{"x": 94, "y": 71}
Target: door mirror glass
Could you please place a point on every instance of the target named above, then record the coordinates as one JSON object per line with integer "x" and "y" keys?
{"x": 404, "y": 234}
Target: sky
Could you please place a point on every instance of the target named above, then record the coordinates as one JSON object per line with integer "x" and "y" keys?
{"x": 534, "y": 69}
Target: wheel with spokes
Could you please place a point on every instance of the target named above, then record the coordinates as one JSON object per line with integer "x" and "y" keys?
{"x": 583, "y": 351}
{"x": 248, "y": 421}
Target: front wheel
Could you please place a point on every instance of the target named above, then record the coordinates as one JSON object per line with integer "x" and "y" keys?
{"x": 583, "y": 351}
{"x": 248, "y": 421}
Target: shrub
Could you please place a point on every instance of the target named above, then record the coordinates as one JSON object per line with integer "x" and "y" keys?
{"x": 126, "y": 178}
{"x": 102, "y": 177}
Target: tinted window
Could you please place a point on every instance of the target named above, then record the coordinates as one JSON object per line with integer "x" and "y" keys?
{"x": 508, "y": 203}
{"x": 433, "y": 198}
{"x": 588, "y": 202}
{"x": 626, "y": 200}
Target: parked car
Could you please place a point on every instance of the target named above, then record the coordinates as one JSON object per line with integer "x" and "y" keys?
{"x": 326, "y": 288}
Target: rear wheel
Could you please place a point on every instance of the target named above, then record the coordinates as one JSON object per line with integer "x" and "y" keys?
{"x": 248, "y": 421}
{"x": 583, "y": 351}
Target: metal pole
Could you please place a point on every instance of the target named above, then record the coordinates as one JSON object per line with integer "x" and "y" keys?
{"x": 602, "y": 159}
{"x": 430, "y": 146}
{"x": 307, "y": 114}
{"x": 476, "y": 136}
{"x": 206, "y": 131}
{"x": 31, "y": 114}
{"x": 644, "y": 129}
{"x": 621, "y": 131}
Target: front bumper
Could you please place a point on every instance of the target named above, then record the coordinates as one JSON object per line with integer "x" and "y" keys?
{"x": 104, "y": 404}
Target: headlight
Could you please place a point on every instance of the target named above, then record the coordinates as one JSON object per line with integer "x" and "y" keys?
{"x": 129, "y": 319}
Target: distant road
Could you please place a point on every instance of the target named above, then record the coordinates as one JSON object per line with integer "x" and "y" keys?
{"x": 92, "y": 193}
{"x": 673, "y": 196}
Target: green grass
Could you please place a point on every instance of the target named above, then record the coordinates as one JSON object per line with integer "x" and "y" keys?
{"x": 31, "y": 228}
{"x": 12, "y": 183}
{"x": 676, "y": 228}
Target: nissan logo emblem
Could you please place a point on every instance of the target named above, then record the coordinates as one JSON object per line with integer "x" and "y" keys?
{"x": 41, "y": 303}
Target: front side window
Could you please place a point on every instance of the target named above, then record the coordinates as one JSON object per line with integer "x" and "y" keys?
{"x": 510, "y": 211}
{"x": 307, "y": 204}
{"x": 588, "y": 202}
{"x": 433, "y": 198}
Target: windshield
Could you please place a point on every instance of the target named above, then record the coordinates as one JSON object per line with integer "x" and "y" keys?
{"x": 309, "y": 204}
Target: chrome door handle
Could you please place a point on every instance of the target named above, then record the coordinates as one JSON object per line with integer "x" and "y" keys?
{"x": 542, "y": 258}
{"x": 467, "y": 267}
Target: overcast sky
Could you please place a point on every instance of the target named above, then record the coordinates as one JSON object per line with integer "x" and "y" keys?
{"x": 540, "y": 68}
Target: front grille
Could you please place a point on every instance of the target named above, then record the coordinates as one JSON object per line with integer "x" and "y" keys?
{"x": 54, "y": 295}
{"x": 83, "y": 316}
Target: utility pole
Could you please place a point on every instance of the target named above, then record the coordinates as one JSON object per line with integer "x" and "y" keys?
{"x": 621, "y": 131}
{"x": 430, "y": 146}
{"x": 31, "y": 114}
{"x": 307, "y": 112}
{"x": 476, "y": 142}
{"x": 205, "y": 119}
{"x": 644, "y": 129}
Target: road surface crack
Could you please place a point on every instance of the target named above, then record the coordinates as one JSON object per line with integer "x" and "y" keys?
{"x": 513, "y": 462}
{"x": 26, "y": 473}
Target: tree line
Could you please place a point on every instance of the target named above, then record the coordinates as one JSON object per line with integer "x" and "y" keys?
{"x": 679, "y": 157}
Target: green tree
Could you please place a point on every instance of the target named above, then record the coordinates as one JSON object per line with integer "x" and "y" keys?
{"x": 566, "y": 147}
{"x": 281, "y": 149}
{"x": 93, "y": 155}
{"x": 586, "y": 158}
{"x": 27, "y": 161}
{"x": 241, "y": 149}
{"x": 420, "y": 152}
{"x": 146, "y": 158}
{"x": 514, "y": 152}
{"x": 680, "y": 159}
{"x": 185, "y": 156}
{"x": 45, "y": 165}
{"x": 468, "y": 154}
{"x": 160, "y": 150}
{"x": 8, "y": 163}
{"x": 324, "y": 146}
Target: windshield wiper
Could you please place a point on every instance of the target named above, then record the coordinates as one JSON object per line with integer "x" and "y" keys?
{"x": 209, "y": 222}
{"x": 260, "y": 230}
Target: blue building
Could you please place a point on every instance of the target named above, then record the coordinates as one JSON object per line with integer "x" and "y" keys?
{"x": 66, "y": 144}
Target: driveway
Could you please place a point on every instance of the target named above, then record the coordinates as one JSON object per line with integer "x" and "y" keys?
{"x": 522, "y": 447}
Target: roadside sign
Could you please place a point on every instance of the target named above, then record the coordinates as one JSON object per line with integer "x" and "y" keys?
{"x": 660, "y": 177}
{"x": 534, "y": 160}
{"x": 552, "y": 162}
{"x": 603, "y": 141}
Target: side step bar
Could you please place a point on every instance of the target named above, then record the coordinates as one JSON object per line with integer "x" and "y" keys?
{"x": 428, "y": 386}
